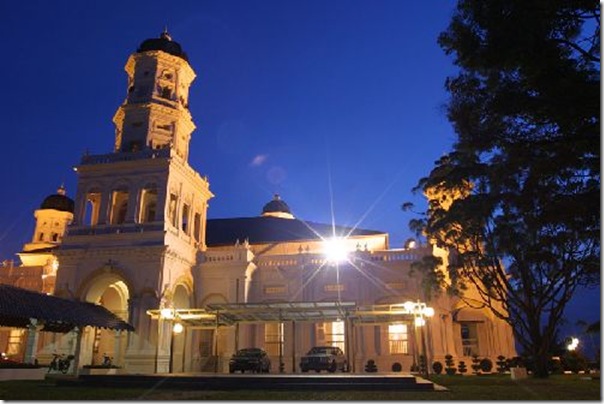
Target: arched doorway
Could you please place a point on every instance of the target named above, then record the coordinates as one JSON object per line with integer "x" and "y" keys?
{"x": 111, "y": 292}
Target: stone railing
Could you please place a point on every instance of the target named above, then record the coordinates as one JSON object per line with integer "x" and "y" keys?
{"x": 354, "y": 257}
{"x": 125, "y": 156}
{"x": 115, "y": 229}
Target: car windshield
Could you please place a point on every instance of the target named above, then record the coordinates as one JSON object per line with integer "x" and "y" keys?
{"x": 321, "y": 350}
{"x": 249, "y": 352}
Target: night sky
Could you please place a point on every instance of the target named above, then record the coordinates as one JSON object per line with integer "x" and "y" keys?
{"x": 337, "y": 105}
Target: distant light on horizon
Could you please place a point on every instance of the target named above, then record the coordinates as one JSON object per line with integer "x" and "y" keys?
{"x": 573, "y": 344}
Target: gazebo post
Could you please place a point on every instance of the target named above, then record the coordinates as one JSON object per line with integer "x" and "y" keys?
{"x": 78, "y": 347}
{"x": 32, "y": 341}
{"x": 117, "y": 348}
{"x": 293, "y": 346}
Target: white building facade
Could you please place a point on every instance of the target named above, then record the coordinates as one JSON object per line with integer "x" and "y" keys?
{"x": 139, "y": 241}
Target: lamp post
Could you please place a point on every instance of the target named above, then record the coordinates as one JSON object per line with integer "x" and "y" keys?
{"x": 420, "y": 312}
{"x": 176, "y": 329}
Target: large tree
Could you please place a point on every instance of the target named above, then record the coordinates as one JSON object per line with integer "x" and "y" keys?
{"x": 517, "y": 200}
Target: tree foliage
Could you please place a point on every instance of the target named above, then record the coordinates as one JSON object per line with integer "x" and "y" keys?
{"x": 517, "y": 200}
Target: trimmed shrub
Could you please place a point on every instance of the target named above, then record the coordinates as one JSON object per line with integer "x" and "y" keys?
{"x": 450, "y": 365}
{"x": 437, "y": 367}
{"x": 475, "y": 364}
{"x": 486, "y": 365}
{"x": 397, "y": 367}
{"x": 423, "y": 366}
{"x": 574, "y": 362}
{"x": 462, "y": 367}
{"x": 370, "y": 367}
{"x": 501, "y": 364}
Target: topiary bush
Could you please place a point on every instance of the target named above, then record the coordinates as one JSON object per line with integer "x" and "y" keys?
{"x": 423, "y": 366}
{"x": 437, "y": 367}
{"x": 501, "y": 364}
{"x": 450, "y": 365}
{"x": 573, "y": 361}
{"x": 486, "y": 365}
{"x": 397, "y": 367}
{"x": 475, "y": 364}
{"x": 462, "y": 367}
{"x": 370, "y": 367}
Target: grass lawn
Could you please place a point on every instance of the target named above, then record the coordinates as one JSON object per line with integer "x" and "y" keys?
{"x": 490, "y": 387}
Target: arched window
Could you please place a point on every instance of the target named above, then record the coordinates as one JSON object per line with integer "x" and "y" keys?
{"x": 119, "y": 206}
{"x": 172, "y": 209}
{"x": 92, "y": 208}
{"x": 148, "y": 204}
{"x": 185, "y": 218}
{"x": 197, "y": 227}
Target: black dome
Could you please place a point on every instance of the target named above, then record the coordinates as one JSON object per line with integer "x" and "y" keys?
{"x": 163, "y": 43}
{"x": 58, "y": 201}
{"x": 276, "y": 205}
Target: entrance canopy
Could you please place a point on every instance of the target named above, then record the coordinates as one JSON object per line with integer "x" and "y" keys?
{"x": 226, "y": 314}
{"x": 18, "y": 306}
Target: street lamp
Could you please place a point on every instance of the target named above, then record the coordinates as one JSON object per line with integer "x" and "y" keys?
{"x": 573, "y": 344}
{"x": 420, "y": 312}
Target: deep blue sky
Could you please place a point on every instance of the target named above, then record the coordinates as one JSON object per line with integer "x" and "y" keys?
{"x": 341, "y": 100}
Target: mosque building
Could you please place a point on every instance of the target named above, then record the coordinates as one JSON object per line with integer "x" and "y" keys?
{"x": 136, "y": 239}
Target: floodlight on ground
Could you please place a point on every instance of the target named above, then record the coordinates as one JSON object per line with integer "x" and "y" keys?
{"x": 335, "y": 250}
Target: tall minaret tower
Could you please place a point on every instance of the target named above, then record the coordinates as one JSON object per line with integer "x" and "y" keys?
{"x": 140, "y": 211}
{"x": 155, "y": 114}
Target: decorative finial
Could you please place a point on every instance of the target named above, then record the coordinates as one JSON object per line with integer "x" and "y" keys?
{"x": 165, "y": 35}
{"x": 61, "y": 190}
{"x": 277, "y": 197}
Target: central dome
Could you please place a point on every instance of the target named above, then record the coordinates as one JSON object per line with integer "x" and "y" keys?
{"x": 277, "y": 208}
{"x": 163, "y": 43}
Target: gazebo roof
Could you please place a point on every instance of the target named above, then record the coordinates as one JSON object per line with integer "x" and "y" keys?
{"x": 18, "y": 306}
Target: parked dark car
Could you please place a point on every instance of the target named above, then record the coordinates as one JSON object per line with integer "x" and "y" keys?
{"x": 253, "y": 359}
{"x": 320, "y": 358}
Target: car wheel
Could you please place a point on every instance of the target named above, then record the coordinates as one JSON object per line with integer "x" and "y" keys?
{"x": 304, "y": 370}
{"x": 333, "y": 367}
{"x": 318, "y": 370}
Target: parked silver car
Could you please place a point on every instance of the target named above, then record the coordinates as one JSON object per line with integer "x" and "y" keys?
{"x": 320, "y": 358}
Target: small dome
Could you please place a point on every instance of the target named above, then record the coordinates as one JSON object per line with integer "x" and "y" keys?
{"x": 277, "y": 208}
{"x": 58, "y": 201}
{"x": 163, "y": 43}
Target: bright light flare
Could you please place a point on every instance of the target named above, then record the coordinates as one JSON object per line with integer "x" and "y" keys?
{"x": 335, "y": 250}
